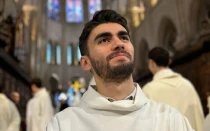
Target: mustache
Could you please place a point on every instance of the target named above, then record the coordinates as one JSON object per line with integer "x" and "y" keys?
{"x": 117, "y": 52}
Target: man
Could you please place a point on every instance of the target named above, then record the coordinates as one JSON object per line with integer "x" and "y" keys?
{"x": 39, "y": 108}
{"x": 9, "y": 116}
{"x": 171, "y": 88}
{"x": 15, "y": 96}
{"x": 115, "y": 103}
{"x": 63, "y": 101}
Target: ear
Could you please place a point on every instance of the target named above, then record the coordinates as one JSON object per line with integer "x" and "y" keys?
{"x": 150, "y": 62}
{"x": 170, "y": 61}
{"x": 85, "y": 63}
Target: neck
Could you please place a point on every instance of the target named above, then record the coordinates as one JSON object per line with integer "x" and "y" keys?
{"x": 117, "y": 91}
{"x": 37, "y": 90}
{"x": 159, "y": 69}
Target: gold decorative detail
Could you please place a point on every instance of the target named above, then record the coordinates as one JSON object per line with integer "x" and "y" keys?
{"x": 34, "y": 29}
{"x": 153, "y": 2}
{"x": 27, "y": 9}
{"x": 138, "y": 14}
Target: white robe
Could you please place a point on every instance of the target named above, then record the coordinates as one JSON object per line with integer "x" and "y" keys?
{"x": 96, "y": 113}
{"x": 9, "y": 115}
{"x": 171, "y": 88}
{"x": 39, "y": 111}
{"x": 207, "y": 123}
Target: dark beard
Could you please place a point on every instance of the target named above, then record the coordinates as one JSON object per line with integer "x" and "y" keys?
{"x": 117, "y": 74}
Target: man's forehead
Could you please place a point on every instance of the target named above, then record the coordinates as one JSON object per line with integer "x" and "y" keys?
{"x": 112, "y": 28}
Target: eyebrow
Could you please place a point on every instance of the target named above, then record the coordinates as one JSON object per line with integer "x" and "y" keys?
{"x": 105, "y": 34}
{"x": 102, "y": 35}
{"x": 120, "y": 33}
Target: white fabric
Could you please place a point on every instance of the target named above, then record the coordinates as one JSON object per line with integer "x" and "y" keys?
{"x": 96, "y": 113}
{"x": 207, "y": 123}
{"x": 39, "y": 111}
{"x": 92, "y": 81}
{"x": 9, "y": 116}
{"x": 208, "y": 103}
{"x": 132, "y": 95}
{"x": 171, "y": 88}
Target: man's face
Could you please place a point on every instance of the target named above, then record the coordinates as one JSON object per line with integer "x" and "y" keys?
{"x": 111, "y": 52}
{"x": 17, "y": 98}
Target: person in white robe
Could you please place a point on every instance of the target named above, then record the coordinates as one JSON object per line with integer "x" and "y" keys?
{"x": 115, "y": 102}
{"x": 39, "y": 108}
{"x": 171, "y": 88}
{"x": 9, "y": 115}
{"x": 207, "y": 119}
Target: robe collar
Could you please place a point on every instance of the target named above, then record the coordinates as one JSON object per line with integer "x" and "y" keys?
{"x": 165, "y": 73}
{"x": 96, "y": 101}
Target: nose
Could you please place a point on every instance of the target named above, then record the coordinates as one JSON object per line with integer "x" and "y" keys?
{"x": 118, "y": 44}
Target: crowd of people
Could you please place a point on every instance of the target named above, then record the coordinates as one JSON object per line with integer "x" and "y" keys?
{"x": 113, "y": 100}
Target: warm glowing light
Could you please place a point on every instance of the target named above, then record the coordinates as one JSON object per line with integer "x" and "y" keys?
{"x": 153, "y": 2}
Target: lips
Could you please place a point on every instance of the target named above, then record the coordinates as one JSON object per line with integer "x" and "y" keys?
{"x": 119, "y": 53}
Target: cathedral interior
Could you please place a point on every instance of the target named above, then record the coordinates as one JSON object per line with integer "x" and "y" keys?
{"x": 39, "y": 38}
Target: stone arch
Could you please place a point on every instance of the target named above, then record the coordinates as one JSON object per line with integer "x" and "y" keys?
{"x": 167, "y": 34}
{"x": 141, "y": 57}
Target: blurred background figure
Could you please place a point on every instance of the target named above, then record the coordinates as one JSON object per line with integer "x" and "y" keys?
{"x": 207, "y": 119}
{"x": 63, "y": 101}
{"x": 9, "y": 115}
{"x": 171, "y": 88}
{"x": 15, "y": 97}
{"x": 39, "y": 108}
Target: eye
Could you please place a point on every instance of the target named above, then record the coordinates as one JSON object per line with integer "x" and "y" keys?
{"x": 104, "y": 40}
{"x": 126, "y": 38}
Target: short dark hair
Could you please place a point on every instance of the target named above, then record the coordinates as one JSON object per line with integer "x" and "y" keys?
{"x": 100, "y": 17}
{"x": 2, "y": 88}
{"x": 160, "y": 56}
{"x": 37, "y": 82}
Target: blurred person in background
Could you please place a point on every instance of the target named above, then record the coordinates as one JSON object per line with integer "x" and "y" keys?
{"x": 207, "y": 119}
{"x": 15, "y": 96}
{"x": 39, "y": 108}
{"x": 9, "y": 115}
{"x": 171, "y": 88}
{"x": 63, "y": 101}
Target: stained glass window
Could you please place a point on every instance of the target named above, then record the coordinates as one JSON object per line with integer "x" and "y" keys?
{"x": 69, "y": 55}
{"x": 53, "y": 9}
{"x": 58, "y": 54}
{"x": 74, "y": 11}
{"x": 93, "y": 6}
{"x": 49, "y": 53}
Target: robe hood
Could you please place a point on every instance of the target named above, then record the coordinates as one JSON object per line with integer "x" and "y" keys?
{"x": 96, "y": 101}
{"x": 167, "y": 76}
